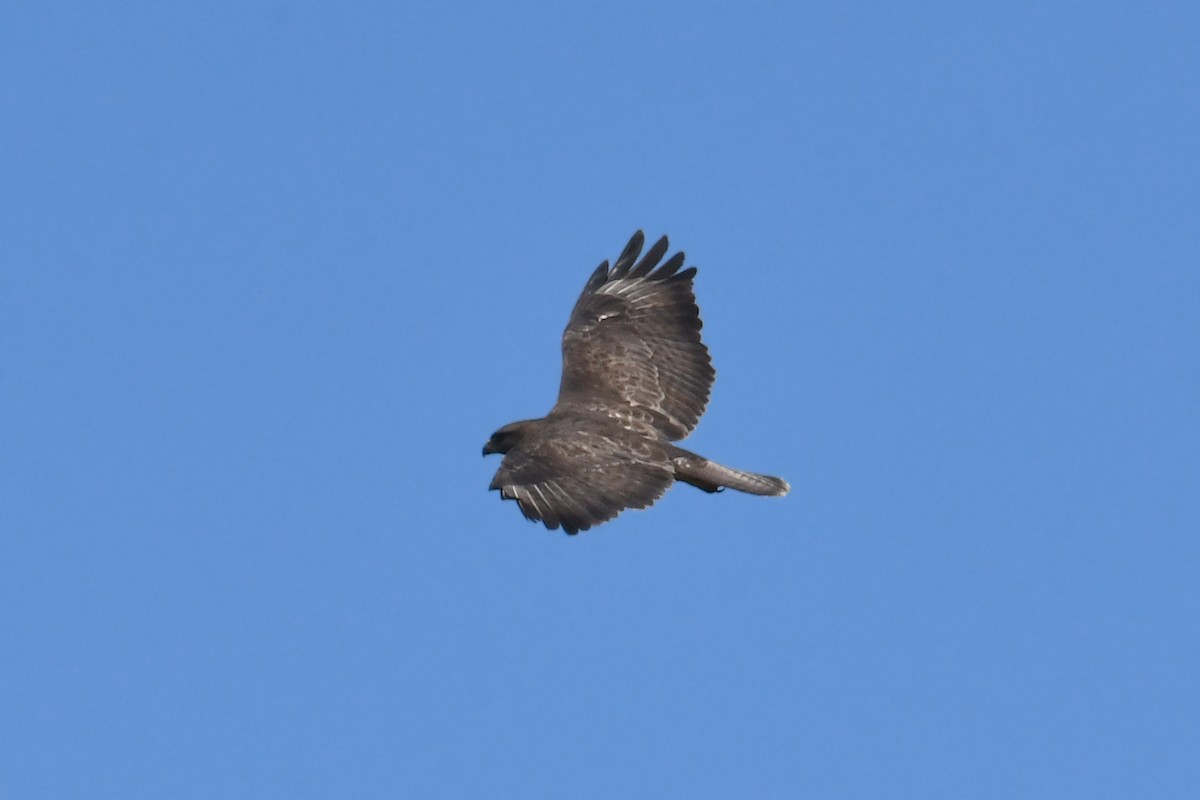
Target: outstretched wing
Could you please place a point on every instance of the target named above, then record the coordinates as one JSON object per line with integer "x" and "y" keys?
{"x": 632, "y": 346}
{"x": 581, "y": 481}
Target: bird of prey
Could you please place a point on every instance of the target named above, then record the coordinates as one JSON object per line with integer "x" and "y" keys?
{"x": 635, "y": 378}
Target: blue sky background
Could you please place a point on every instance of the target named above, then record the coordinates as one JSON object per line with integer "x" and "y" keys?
{"x": 273, "y": 272}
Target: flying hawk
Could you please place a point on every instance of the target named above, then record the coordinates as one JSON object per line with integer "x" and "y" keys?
{"x": 635, "y": 378}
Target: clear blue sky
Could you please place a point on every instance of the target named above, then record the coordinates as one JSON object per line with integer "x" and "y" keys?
{"x": 273, "y": 272}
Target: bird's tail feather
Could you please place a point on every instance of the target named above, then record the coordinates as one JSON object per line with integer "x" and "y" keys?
{"x": 712, "y": 477}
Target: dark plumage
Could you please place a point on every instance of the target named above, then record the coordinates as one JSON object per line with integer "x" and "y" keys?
{"x": 636, "y": 378}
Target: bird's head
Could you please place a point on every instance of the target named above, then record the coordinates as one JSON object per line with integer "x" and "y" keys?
{"x": 505, "y": 438}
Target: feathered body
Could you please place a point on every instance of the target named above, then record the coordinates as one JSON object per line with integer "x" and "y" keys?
{"x": 636, "y": 377}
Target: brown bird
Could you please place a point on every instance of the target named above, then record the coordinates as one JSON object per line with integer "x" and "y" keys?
{"x": 636, "y": 378}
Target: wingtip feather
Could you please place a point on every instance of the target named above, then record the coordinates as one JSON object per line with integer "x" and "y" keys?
{"x": 629, "y": 254}
{"x": 651, "y": 259}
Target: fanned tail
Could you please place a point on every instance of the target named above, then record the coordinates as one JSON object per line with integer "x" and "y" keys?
{"x": 712, "y": 477}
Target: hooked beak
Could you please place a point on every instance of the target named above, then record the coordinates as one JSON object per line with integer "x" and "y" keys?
{"x": 487, "y": 449}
